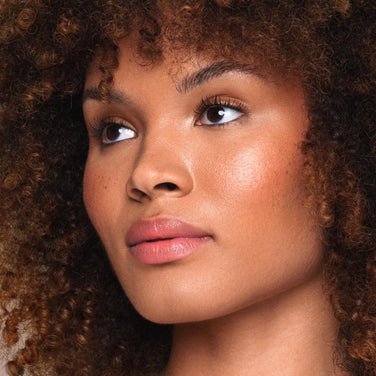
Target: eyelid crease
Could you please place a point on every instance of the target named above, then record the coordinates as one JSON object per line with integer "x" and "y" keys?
{"x": 97, "y": 126}
{"x": 219, "y": 100}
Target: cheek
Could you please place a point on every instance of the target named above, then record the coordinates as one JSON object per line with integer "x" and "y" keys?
{"x": 92, "y": 187}
{"x": 260, "y": 201}
{"x": 257, "y": 178}
{"x": 100, "y": 200}
{"x": 269, "y": 235}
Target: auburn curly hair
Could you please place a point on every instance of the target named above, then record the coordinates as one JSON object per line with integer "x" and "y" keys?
{"x": 62, "y": 309}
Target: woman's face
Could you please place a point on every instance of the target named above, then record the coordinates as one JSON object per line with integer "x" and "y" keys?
{"x": 208, "y": 144}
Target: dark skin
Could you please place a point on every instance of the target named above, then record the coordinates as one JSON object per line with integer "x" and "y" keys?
{"x": 52, "y": 261}
{"x": 261, "y": 266}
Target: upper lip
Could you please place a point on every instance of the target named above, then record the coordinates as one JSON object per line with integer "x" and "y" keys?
{"x": 161, "y": 228}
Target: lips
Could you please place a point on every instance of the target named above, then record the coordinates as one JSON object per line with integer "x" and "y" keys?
{"x": 162, "y": 239}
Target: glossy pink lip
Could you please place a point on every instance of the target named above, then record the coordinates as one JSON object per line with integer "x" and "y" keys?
{"x": 160, "y": 240}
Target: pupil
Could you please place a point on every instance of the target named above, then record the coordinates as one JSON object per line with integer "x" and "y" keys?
{"x": 112, "y": 132}
{"x": 215, "y": 114}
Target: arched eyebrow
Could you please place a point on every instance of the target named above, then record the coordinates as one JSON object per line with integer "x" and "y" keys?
{"x": 188, "y": 83}
{"x": 214, "y": 70}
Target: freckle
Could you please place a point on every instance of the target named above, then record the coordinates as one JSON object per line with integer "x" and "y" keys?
{"x": 105, "y": 187}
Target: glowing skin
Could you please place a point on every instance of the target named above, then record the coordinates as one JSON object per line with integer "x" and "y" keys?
{"x": 241, "y": 183}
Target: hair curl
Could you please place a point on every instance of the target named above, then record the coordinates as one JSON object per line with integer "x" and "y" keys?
{"x": 62, "y": 308}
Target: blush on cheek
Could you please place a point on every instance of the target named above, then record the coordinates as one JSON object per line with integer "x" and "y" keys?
{"x": 264, "y": 178}
{"x": 247, "y": 172}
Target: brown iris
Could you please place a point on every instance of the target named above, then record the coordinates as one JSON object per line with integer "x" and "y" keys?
{"x": 215, "y": 113}
{"x": 112, "y": 132}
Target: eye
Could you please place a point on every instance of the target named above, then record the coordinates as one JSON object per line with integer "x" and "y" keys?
{"x": 114, "y": 132}
{"x": 219, "y": 111}
{"x": 219, "y": 115}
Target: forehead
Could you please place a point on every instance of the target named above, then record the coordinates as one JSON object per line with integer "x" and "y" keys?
{"x": 280, "y": 37}
{"x": 177, "y": 65}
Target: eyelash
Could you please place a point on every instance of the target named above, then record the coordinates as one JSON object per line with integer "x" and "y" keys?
{"x": 218, "y": 100}
{"x": 98, "y": 126}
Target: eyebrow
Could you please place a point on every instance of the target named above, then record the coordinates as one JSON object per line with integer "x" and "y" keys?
{"x": 188, "y": 83}
{"x": 113, "y": 96}
{"x": 214, "y": 70}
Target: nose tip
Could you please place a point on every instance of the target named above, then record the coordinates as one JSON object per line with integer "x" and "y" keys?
{"x": 152, "y": 178}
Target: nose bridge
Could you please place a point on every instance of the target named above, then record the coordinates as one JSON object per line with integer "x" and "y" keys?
{"x": 161, "y": 167}
{"x": 158, "y": 153}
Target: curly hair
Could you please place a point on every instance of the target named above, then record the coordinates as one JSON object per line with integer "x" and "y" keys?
{"x": 62, "y": 309}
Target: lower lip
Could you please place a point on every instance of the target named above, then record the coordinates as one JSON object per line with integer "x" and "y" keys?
{"x": 164, "y": 251}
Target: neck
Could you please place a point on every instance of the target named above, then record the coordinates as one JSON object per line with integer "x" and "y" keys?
{"x": 292, "y": 334}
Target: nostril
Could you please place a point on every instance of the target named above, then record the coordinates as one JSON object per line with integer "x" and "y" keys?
{"x": 138, "y": 194}
{"x": 168, "y": 186}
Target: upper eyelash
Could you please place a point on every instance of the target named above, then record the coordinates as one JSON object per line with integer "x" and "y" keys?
{"x": 97, "y": 126}
{"x": 217, "y": 100}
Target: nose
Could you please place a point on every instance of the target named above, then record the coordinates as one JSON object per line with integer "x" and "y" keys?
{"x": 160, "y": 170}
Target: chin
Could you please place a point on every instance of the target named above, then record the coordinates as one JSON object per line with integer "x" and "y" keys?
{"x": 163, "y": 314}
{"x": 187, "y": 309}
{"x": 178, "y": 309}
